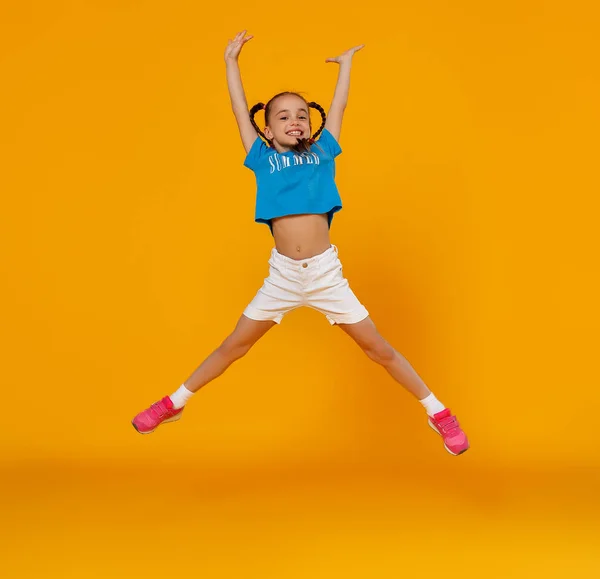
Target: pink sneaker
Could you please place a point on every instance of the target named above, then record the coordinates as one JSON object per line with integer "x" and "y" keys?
{"x": 162, "y": 411}
{"x": 446, "y": 425}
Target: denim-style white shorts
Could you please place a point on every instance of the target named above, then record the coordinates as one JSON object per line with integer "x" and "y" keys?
{"x": 316, "y": 282}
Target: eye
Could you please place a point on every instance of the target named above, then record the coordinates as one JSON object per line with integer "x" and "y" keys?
{"x": 282, "y": 118}
{"x": 303, "y": 117}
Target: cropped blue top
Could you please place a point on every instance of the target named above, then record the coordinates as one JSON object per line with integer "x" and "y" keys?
{"x": 291, "y": 184}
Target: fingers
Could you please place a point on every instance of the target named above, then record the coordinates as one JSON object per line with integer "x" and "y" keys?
{"x": 349, "y": 53}
{"x": 356, "y": 49}
{"x": 235, "y": 45}
{"x": 241, "y": 37}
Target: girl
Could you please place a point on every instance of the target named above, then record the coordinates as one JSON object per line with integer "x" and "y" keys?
{"x": 297, "y": 198}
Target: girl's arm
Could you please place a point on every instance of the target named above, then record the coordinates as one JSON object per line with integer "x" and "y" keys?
{"x": 236, "y": 90}
{"x": 340, "y": 96}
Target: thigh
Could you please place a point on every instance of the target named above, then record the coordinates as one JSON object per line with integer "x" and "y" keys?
{"x": 372, "y": 343}
{"x": 364, "y": 333}
{"x": 247, "y": 331}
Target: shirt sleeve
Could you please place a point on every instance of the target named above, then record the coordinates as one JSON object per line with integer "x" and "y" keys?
{"x": 258, "y": 150}
{"x": 329, "y": 144}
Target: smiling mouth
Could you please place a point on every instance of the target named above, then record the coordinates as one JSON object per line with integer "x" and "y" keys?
{"x": 294, "y": 133}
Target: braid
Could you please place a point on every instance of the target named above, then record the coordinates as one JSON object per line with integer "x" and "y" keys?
{"x": 258, "y": 107}
{"x": 304, "y": 145}
{"x": 318, "y": 107}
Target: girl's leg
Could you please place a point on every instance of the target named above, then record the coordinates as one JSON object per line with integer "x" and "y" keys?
{"x": 365, "y": 334}
{"x": 245, "y": 334}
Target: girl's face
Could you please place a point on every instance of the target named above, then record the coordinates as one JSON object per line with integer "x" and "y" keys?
{"x": 289, "y": 120}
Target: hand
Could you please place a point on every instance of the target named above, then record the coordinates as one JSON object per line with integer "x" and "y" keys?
{"x": 235, "y": 46}
{"x": 345, "y": 56}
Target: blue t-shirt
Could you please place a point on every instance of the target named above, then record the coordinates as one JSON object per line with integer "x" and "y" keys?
{"x": 291, "y": 184}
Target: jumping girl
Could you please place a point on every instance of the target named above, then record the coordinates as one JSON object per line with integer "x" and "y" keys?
{"x": 297, "y": 198}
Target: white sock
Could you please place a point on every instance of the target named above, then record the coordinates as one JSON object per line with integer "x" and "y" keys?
{"x": 432, "y": 405}
{"x": 181, "y": 396}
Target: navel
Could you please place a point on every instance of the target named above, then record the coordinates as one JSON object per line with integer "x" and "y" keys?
{"x": 298, "y": 248}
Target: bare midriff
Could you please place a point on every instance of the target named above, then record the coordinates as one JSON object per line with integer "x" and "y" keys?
{"x": 301, "y": 236}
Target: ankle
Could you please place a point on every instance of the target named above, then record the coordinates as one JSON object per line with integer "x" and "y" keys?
{"x": 181, "y": 396}
{"x": 432, "y": 405}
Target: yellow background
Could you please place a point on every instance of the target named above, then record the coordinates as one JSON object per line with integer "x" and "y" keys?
{"x": 470, "y": 183}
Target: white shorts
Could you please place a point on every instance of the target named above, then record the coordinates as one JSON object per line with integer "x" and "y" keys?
{"x": 317, "y": 282}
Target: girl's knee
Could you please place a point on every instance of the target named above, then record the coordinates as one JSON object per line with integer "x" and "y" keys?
{"x": 380, "y": 352}
{"x": 234, "y": 349}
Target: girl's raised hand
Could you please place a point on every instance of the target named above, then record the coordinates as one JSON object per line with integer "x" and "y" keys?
{"x": 346, "y": 56}
{"x": 235, "y": 46}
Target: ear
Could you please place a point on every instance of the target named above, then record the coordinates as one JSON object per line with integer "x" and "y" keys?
{"x": 268, "y": 133}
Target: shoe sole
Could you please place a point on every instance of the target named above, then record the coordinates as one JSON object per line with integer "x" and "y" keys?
{"x": 439, "y": 434}
{"x": 172, "y": 419}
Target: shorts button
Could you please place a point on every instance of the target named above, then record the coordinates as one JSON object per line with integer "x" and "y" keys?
{"x": 305, "y": 265}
